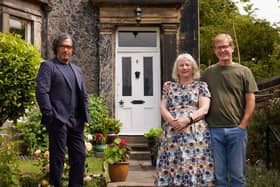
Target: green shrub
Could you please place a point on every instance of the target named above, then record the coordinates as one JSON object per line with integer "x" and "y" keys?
{"x": 32, "y": 132}
{"x": 19, "y": 62}
{"x": 270, "y": 115}
{"x": 9, "y": 172}
{"x": 153, "y": 132}
{"x": 113, "y": 125}
{"x": 98, "y": 112}
{"x": 28, "y": 180}
{"x": 95, "y": 181}
{"x": 259, "y": 176}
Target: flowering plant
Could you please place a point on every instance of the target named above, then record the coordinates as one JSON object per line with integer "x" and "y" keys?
{"x": 99, "y": 138}
{"x": 118, "y": 151}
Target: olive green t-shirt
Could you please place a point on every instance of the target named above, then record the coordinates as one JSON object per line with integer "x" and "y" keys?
{"x": 228, "y": 86}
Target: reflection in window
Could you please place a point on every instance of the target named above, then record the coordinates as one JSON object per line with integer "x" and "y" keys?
{"x": 21, "y": 27}
{"x": 137, "y": 39}
{"x": 126, "y": 76}
{"x": 148, "y": 76}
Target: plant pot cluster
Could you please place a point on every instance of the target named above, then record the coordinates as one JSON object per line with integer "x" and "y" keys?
{"x": 153, "y": 142}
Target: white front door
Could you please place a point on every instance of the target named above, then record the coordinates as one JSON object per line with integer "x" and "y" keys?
{"x": 138, "y": 92}
{"x": 138, "y": 89}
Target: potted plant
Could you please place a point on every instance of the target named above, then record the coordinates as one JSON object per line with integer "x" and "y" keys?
{"x": 116, "y": 156}
{"x": 99, "y": 142}
{"x": 113, "y": 127}
{"x": 153, "y": 142}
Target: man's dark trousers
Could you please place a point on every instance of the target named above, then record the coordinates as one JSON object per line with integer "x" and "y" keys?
{"x": 60, "y": 136}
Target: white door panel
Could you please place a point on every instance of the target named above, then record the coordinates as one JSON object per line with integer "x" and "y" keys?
{"x": 138, "y": 91}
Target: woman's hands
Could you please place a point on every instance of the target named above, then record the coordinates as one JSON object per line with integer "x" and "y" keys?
{"x": 180, "y": 124}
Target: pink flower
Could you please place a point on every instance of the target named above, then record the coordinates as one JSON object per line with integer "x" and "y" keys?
{"x": 123, "y": 142}
{"x": 99, "y": 135}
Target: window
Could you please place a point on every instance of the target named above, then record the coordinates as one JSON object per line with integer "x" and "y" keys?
{"x": 137, "y": 39}
{"x": 126, "y": 76}
{"x": 148, "y": 76}
{"x": 21, "y": 27}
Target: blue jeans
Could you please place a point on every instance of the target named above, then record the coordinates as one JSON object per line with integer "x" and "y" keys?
{"x": 229, "y": 148}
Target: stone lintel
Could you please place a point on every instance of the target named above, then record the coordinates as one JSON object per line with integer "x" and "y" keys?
{"x": 137, "y": 2}
{"x": 126, "y": 15}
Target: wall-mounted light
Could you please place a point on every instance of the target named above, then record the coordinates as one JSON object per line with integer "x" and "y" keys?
{"x": 138, "y": 12}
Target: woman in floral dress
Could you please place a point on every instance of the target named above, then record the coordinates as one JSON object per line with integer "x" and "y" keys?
{"x": 184, "y": 156}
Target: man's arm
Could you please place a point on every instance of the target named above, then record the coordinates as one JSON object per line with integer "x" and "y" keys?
{"x": 43, "y": 88}
{"x": 249, "y": 109}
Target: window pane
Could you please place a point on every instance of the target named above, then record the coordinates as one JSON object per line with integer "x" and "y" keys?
{"x": 21, "y": 27}
{"x": 137, "y": 39}
{"x": 126, "y": 76}
{"x": 148, "y": 76}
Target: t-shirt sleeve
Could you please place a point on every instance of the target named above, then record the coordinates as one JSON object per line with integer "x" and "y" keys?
{"x": 203, "y": 89}
{"x": 251, "y": 85}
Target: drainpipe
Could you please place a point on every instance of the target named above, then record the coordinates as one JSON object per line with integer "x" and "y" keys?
{"x": 46, "y": 8}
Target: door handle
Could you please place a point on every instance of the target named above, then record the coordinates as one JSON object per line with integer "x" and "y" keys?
{"x": 137, "y": 102}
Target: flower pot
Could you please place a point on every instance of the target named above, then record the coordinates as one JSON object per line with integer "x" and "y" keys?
{"x": 111, "y": 137}
{"x": 153, "y": 144}
{"x": 100, "y": 147}
{"x": 118, "y": 171}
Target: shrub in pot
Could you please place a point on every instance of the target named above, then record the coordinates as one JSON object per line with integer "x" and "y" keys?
{"x": 116, "y": 159}
{"x": 153, "y": 142}
{"x": 113, "y": 127}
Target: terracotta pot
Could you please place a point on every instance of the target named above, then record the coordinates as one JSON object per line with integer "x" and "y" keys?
{"x": 118, "y": 171}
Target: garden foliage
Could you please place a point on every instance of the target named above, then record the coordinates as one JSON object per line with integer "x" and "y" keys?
{"x": 19, "y": 62}
{"x": 32, "y": 132}
{"x": 9, "y": 172}
{"x": 98, "y": 112}
{"x": 268, "y": 116}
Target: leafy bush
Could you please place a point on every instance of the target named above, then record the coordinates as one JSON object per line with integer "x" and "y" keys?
{"x": 95, "y": 180}
{"x": 9, "y": 172}
{"x": 98, "y": 112}
{"x": 28, "y": 180}
{"x": 118, "y": 151}
{"x": 259, "y": 176}
{"x": 19, "y": 62}
{"x": 270, "y": 115}
{"x": 32, "y": 132}
{"x": 153, "y": 132}
{"x": 113, "y": 125}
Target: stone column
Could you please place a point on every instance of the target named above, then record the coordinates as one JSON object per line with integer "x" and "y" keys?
{"x": 106, "y": 75}
{"x": 169, "y": 49}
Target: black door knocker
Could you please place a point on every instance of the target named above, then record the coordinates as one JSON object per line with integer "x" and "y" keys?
{"x": 137, "y": 74}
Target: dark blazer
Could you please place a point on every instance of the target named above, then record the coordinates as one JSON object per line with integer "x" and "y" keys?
{"x": 53, "y": 93}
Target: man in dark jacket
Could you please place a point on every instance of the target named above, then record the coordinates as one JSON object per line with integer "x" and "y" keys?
{"x": 63, "y": 101}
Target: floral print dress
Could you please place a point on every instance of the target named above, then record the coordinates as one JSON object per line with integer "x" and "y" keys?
{"x": 185, "y": 158}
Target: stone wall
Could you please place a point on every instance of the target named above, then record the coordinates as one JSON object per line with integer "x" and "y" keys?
{"x": 78, "y": 18}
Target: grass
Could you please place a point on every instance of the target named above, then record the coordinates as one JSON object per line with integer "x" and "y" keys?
{"x": 29, "y": 166}
{"x": 257, "y": 176}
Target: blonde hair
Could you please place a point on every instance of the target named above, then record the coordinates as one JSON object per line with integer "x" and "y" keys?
{"x": 188, "y": 57}
{"x": 222, "y": 37}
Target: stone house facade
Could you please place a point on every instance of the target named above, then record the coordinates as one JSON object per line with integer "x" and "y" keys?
{"x": 126, "y": 48}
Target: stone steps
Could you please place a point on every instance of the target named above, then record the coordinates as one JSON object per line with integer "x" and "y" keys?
{"x": 139, "y": 147}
